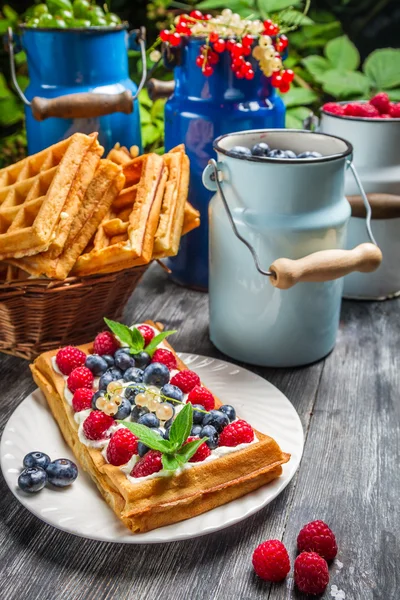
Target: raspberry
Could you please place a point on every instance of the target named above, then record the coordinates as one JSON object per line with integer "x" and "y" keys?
{"x": 105, "y": 343}
{"x": 238, "y": 432}
{"x": 68, "y": 358}
{"x": 81, "y": 377}
{"x": 185, "y": 380}
{"x": 385, "y": 117}
{"x": 147, "y": 332}
{"x": 149, "y": 464}
{"x": 123, "y": 445}
{"x": 356, "y": 109}
{"x": 353, "y": 109}
{"x": 96, "y": 424}
{"x": 165, "y": 357}
{"x": 271, "y": 561}
{"x": 369, "y": 111}
{"x": 381, "y": 102}
{"x": 318, "y": 537}
{"x": 395, "y": 110}
{"x": 201, "y": 453}
{"x": 333, "y": 108}
{"x": 200, "y": 395}
{"x": 311, "y": 573}
{"x": 82, "y": 399}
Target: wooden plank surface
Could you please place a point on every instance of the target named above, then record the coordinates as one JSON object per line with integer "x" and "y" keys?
{"x": 349, "y": 476}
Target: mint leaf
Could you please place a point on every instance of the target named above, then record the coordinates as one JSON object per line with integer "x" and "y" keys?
{"x": 148, "y": 437}
{"x": 170, "y": 462}
{"x": 181, "y": 426}
{"x": 189, "y": 449}
{"x": 137, "y": 341}
{"x": 121, "y": 331}
{"x": 152, "y": 347}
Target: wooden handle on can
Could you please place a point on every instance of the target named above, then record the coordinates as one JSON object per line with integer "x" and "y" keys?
{"x": 325, "y": 265}
{"x": 383, "y": 206}
{"x": 160, "y": 89}
{"x": 82, "y": 106}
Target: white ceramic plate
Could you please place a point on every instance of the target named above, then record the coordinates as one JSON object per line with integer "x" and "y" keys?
{"x": 81, "y": 510}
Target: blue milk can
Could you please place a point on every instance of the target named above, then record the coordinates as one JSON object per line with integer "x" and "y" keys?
{"x": 200, "y": 109}
{"x": 79, "y": 81}
{"x": 289, "y": 208}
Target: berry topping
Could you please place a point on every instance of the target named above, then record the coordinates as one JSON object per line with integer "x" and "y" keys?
{"x": 311, "y": 573}
{"x": 96, "y": 424}
{"x": 123, "y": 445}
{"x": 123, "y": 360}
{"x": 36, "y": 459}
{"x": 333, "y": 108}
{"x": 172, "y": 393}
{"x": 165, "y": 357}
{"x": 80, "y": 377}
{"x": 381, "y": 102}
{"x": 229, "y": 411}
{"x": 149, "y": 464}
{"x": 105, "y": 343}
{"x": 96, "y": 364}
{"x": 185, "y": 380}
{"x": 217, "y": 419}
{"x": 198, "y": 414}
{"x": 82, "y": 399}
{"x": 69, "y": 358}
{"x": 32, "y": 479}
{"x": 318, "y": 537}
{"x": 211, "y": 433}
{"x": 200, "y": 395}
{"x": 271, "y": 561}
{"x": 124, "y": 408}
{"x": 149, "y": 420}
{"x": 62, "y": 472}
{"x": 133, "y": 375}
{"x": 142, "y": 359}
{"x": 147, "y": 332}
{"x": 201, "y": 453}
{"x": 156, "y": 374}
{"x": 137, "y": 412}
{"x": 236, "y": 433}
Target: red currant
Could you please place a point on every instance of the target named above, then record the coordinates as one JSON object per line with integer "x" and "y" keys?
{"x": 196, "y": 14}
{"x": 247, "y": 40}
{"x": 174, "y": 39}
{"x": 249, "y": 74}
{"x": 283, "y": 40}
{"x": 207, "y": 17}
{"x": 213, "y": 58}
{"x": 164, "y": 35}
{"x": 183, "y": 28}
{"x": 200, "y": 61}
{"x": 237, "y": 62}
{"x": 219, "y": 45}
{"x": 276, "y": 80}
{"x": 287, "y": 76}
{"x": 284, "y": 87}
{"x": 207, "y": 71}
{"x": 213, "y": 37}
{"x": 239, "y": 74}
{"x": 237, "y": 49}
{"x": 229, "y": 45}
{"x": 279, "y": 47}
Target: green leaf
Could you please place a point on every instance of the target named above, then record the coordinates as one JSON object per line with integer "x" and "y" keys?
{"x": 342, "y": 84}
{"x": 394, "y": 95}
{"x": 240, "y": 6}
{"x": 342, "y": 54}
{"x": 144, "y": 98}
{"x": 150, "y": 438}
{"x": 293, "y": 17}
{"x": 150, "y": 134}
{"x": 145, "y": 116}
{"x": 181, "y": 426}
{"x": 170, "y": 462}
{"x": 270, "y": 6}
{"x": 10, "y": 13}
{"x": 121, "y": 331}
{"x": 137, "y": 341}
{"x": 316, "y": 65}
{"x": 10, "y": 111}
{"x": 298, "y": 96}
{"x": 157, "y": 339}
{"x": 189, "y": 449}
{"x": 383, "y": 68}
{"x": 295, "y": 117}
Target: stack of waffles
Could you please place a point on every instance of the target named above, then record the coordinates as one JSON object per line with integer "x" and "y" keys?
{"x": 66, "y": 211}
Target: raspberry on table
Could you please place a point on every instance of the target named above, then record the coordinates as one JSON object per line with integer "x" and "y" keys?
{"x": 105, "y": 343}
{"x": 82, "y": 399}
{"x": 185, "y": 380}
{"x": 81, "y": 377}
{"x": 238, "y": 432}
{"x": 200, "y": 395}
{"x": 96, "y": 424}
{"x": 381, "y": 102}
{"x": 122, "y": 446}
{"x": 149, "y": 464}
{"x": 311, "y": 573}
{"x": 395, "y": 111}
{"x": 69, "y": 358}
{"x": 318, "y": 537}
{"x": 202, "y": 451}
{"x": 147, "y": 332}
{"x": 334, "y": 108}
{"x": 271, "y": 561}
{"x": 166, "y": 357}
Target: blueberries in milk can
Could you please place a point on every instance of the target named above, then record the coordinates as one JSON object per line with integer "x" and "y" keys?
{"x": 263, "y": 150}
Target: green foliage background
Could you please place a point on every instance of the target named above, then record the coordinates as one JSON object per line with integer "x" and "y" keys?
{"x": 340, "y": 49}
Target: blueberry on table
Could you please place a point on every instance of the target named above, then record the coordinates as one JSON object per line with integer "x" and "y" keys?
{"x": 198, "y": 414}
{"x": 239, "y": 151}
{"x": 96, "y": 364}
{"x": 261, "y": 149}
{"x": 149, "y": 420}
{"x": 62, "y": 472}
{"x": 142, "y": 360}
{"x": 309, "y": 155}
{"x": 172, "y": 392}
{"x": 229, "y": 411}
{"x": 217, "y": 419}
{"x": 124, "y": 410}
{"x": 32, "y": 479}
{"x": 36, "y": 459}
{"x": 212, "y": 434}
{"x": 277, "y": 154}
{"x": 156, "y": 374}
{"x": 133, "y": 375}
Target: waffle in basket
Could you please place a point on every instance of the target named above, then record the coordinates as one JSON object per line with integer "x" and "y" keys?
{"x": 145, "y": 502}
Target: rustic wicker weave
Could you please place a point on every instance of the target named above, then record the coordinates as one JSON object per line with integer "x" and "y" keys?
{"x": 38, "y": 315}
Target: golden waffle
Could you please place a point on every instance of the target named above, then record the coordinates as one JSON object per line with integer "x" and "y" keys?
{"x": 121, "y": 155}
{"x": 191, "y": 219}
{"x": 107, "y": 183}
{"x": 125, "y": 238}
{"x": 153, "y": 503}
{"x": 35, "y": 191}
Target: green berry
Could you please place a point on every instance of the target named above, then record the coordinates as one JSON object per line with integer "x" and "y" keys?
{"x": 81, "y": 8}
{"x": 56, "y": 5}
{"x": 34, "y": 22}
{"x": 113, "y": 19}
{"x": 98, "y": 21}
{"x": 46, "y": 20}
{"x": 39, "y": 9}
{"x": 64, "y": 14}
{"x": 79, "y": 23}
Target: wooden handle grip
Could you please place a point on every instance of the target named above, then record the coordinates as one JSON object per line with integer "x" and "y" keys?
{"x": 325, "y": 265}
{"x": 383, "y": 206}
{"x": 82, "y": 106}
{"x": 160, "y": 89}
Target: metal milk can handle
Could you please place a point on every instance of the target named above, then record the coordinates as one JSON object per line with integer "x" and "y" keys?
{"x": 324, "y": 265}
{"x": 83, "y": 105}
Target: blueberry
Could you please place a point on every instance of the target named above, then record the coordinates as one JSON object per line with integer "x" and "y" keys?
{"x": 137, "y": 412}
{"x": 131, "y": 393}
{"x": 111, "y": 375}
{"x": 168, "y": 423}
{"x": 261, "y": 149}
{"x": 229, "y": 411}
{"x": 133, "y": 374}
{"x": 212, "y": 434}
{"x": 290, "y": 154}
{"x": 309, "y": 155}
{"x": 166, "y": 433}
{"x": 109, "y": 359}
{"x": 32, "y": 479}
{"x": 149, "y": 420}
{"x": 277, "y": 154}
{"x": 156, "y": 374}
{"x": 96, "y": 364}
{"x": 142, "y": 449}
{"x": 124, "y": 410}
{"x": 142, "y": 360}
{"x": 217, "y": 419}
{"x": 198, "y": 416}
{"x": 239, "y": 151}
{"x": 172, "y": 392}
{"x": 94, "y": 398}
{"x": 36, "y": 459}
{"x": 62, "y": 472}
{"x": 123, "y": 360}
{"x": 196, "y": 430}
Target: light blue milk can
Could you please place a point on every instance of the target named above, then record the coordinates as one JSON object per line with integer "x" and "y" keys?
{"x": 289, "y": 208}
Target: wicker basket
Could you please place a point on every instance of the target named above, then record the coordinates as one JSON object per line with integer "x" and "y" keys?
{"x": 38, "y": 315}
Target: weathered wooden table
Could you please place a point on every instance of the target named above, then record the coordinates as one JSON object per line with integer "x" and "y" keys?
{"x": 349, "y": 476}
